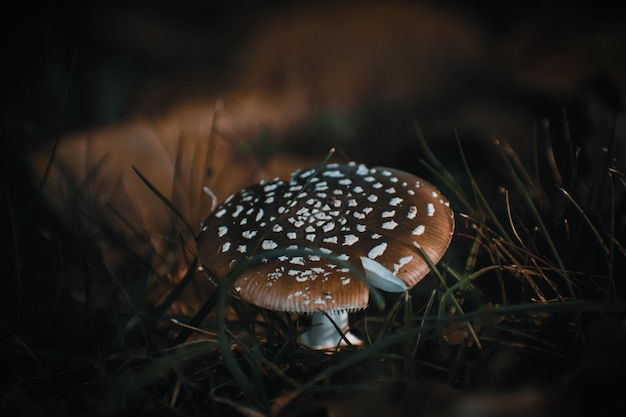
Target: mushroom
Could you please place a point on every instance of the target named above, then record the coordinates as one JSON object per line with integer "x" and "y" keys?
{"x": 381, "y": 221}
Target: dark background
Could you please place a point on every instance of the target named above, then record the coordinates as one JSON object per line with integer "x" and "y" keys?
{"x": 74, "y": 65}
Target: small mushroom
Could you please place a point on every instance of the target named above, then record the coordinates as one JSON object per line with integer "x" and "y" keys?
{"x": 375, "y": 219}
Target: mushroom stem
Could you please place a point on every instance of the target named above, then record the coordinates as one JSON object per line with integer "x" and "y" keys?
{"x": 323, "y": 333}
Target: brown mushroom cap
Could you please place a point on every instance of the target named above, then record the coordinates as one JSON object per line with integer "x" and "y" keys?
{"x": 346, "y": 211}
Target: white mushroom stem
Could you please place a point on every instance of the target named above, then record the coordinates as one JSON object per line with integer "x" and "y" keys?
{"x": 323, "y": 333}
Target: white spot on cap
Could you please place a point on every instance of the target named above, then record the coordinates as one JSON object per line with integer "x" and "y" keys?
{"x": 330, "y": 239}
{"x": 386, "y": 214}
{"x": 226, "y": 247}
{"x": 242, "y": 248}
{"x": 237, "y": 211}
{"x": 277, "y": 228}
{"x": 430, "y": 209}
{"x": 390, "y": 225}
{"x": 360, "y": 227}
{"x": 376, "y": 236}
{"x": 297, "y": 260}
{"x": 350, "y": 240}
{"x": 395, "y": 201}
{"x": 328, "y": 227}
{"x": 345, "y": 181}
{"x": 369, "y": 179}
{"x": 362, "y": 170}
{"x": 419, "y": 230}
{"x": 333, "y": 174}
{"x": 270, "y": 187}
{"x": 358, "y": 215}
{"x": 373, "y": 198}
{"x": 377, "y": 185}
{"x": 269, "y": 244}
{"x": 401, "y": 262}
{"x": 352, "y": 203}
{"x": 220, "y": 213}
{"x": 310, "y": 237}
{"x": 390, "y": 190}
{"x": 292, "y": 235}
{"x": 434, "y": 194}
{"x": 249, "y": 234}
{"x": 259, "y": 215}
{"x": 377, "y": 250}
{"x": 345, "y": 280}
{"x": 222, "y": 230}
{"x": 412, "y": 212}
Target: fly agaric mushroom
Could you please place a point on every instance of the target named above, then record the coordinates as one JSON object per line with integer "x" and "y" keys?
{"x": 376, "y": 219}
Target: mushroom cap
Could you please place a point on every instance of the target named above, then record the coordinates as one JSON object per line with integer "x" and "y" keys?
{"x": 367, "y": 217}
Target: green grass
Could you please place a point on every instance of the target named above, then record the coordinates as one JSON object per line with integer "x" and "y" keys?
{"x": 531, "y": 268}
